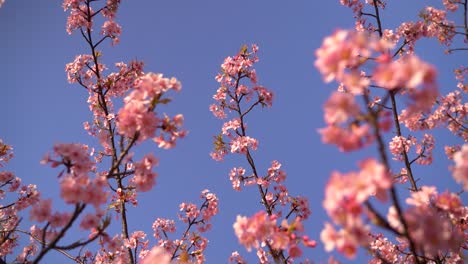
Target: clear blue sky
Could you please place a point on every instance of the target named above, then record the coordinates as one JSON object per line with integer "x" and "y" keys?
{"x": 189, "y": 40}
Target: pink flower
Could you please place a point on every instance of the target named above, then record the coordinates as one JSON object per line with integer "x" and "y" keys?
{"x": 233, "y": 124}
{"x": 137, "y": 114}
{"x": 111, "y": 29}
{"x": 210, "y": 207}
{"x": 408, "y": 72}
{"x": 90, "y": 221}
{"x": 78, "y": 17}
{"x": 190, "y": 212}
{"x": 236, "y": 175}
{"x": 5, "y": 153}
{"x": 59, "y": 219}
{"x": 345, "y": 193}
{"x": 162, "y": 226}
{"x": 136, "y": 239}
{"x": 411, "y": 32}
{"x": 242, "y": 144}
{"x": 451, "y": 5}
{"x": 400, "y": 145}
{"x": 423, "y": 197}
{"x": 41, "y": 211}
{"x": 355, "y": 82}
{"x": 6, "y": 177}
{"x": 252, "y": 231}
{"x": 340, "y": 51}
{"x": 74, "y": 156}
{"x": 460, "y": 76}
{"x": 347, "y": 139}
{"x": 144, "y": 178}
{"x": 236, "y": 258}
{"x": 294, "y": 251}
{"x": 437, "y": 24}
{"x": 339, "y": 108}
{"x": 157, "y": 255}
{"x": 77, "y": 70}
{"x": 424, "y": 150}
{"x": 69, "y": 4}
{"x": 217, "y": 111}
{"x": 265, "y": 96}
{"x": 421, "y": 222}
{"x": 460, "y": 170}
{"x": 450, "y": 202}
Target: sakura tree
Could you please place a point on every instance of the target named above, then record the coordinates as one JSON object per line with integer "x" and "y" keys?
{"x": 400, "y": 105}
{"x": 388, "y": 106}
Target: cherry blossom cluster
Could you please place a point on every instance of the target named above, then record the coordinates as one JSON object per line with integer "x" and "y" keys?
{"x": 460, "y": 169}
{"x": 437, "y": 25}
{"x": 85, "y": 178}
{"x": 262, "y": 228}
{"x": 116, "y": 249}
{"x": 5, "y": 153}
{"x": 401, "y": 145}
{"x": 232, "y": 91}
{"x": 430, "y": 209}
{"x": 238, "y": 94}
{"x": 190, "y": 248}
{"x": 75, "y": 183}
{"x": 137, "y": 116}
{"x": 450, "y": 111}
{"x": 358, "y": 6}
{"x": 14, "y": 198}
{"x": 341, "y": 113}
{"x": 433, "y": 24}
{"x": 451, "y": 5}
{"x": 341, "y": 55}
{"x": 427, "y": 210}
{"x": 81, "y": 15}
{"x": 345, "y": 201}
{"x": 392, "y": 75}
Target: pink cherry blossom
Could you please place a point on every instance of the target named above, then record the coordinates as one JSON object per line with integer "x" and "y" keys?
{"x": 430, "y": 240}
{"x": 78, "y": 17}
{"x": 424, "y": 150}
{"x": 252, "y": 231}
{"x": 190, "y": 211}
{"x": 111, "y": 29}
{"x": 347, "y": 139}
{"x": 69, "y": 4}
{"x": 242, "y": 144}
{"x": 137, "y": 114}
{"x": 236, "y": 258}
{"x": 162, "y": 226}
{"x": 90, "y": 221}
{"x": 41, "y": 211}
{"x": 236, "y": 175}
{"x": 210, "y": 208}
{"x": 451, "y": 5}
{"x": 144, "y": 178}
{"x": 437, "y": 25}
{"x": 157, "y": 255}
{"x": 400, "y": 145}
{"x": 408, "y": 72}
{"x": 339, "y": 108}
{"x": 460, "y": 74}
{"x": 460, "y": 170}
{"x": 77, "y": 70}
{"x": 345, "y": 193}
{"x": 5, "y": 153}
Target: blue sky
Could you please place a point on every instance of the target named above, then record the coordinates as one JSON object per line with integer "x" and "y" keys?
{"x": 189, "y": 40}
